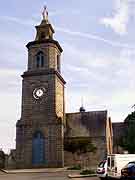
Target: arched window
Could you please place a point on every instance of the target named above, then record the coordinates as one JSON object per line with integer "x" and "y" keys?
{"x": 38, "y": 149}
{"x": 40, "y": 59}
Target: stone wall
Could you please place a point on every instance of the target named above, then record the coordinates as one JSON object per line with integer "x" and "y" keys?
{"x": 44, "y": 115}
{"x": 86, "y": 124}
{"x": 92, "y": 159}
{"x": 50, "y": 55}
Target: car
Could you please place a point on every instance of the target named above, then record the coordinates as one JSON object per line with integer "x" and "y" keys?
{"x": 128, "y": 171}
{"x": 102, "y": 170}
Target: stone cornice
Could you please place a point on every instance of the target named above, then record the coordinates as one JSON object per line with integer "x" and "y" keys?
{"x": 43, "y": 72}
{"x": 44, "y": 42}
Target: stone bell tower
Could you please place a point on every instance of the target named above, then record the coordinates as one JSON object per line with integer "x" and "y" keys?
{"x": 40, "y": 131}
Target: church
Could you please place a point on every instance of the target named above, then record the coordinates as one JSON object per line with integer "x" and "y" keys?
{"x": 44, "y": 125}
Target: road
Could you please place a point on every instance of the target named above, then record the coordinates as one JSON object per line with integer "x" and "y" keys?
{"x": 41, "y": 176}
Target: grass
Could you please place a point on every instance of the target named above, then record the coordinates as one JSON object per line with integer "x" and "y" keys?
{"x": 87, "y": 171}
{"x": 77, "y": 167}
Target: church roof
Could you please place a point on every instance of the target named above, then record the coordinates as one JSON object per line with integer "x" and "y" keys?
{"x": 88, "y": 124}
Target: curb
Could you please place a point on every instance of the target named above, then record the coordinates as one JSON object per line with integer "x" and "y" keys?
{"x": 80, "y": 176}
{"x": 4, "y": 171}
{"x": 31, "y": 171}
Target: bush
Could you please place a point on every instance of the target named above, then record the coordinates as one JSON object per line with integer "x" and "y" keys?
{"x": 77, "y": 167}
{"x": 87, "y": 171}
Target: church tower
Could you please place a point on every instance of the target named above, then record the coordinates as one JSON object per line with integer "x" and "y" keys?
{"x": 40, "y": 131}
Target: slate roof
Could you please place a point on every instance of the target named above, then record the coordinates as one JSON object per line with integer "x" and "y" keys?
{"x": 87, "y": 124}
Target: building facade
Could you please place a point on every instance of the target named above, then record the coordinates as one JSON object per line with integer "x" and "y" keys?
{"x": 95, "y": 126}
{"x": 40, "y": 131}
{"x": 43, "y": 125}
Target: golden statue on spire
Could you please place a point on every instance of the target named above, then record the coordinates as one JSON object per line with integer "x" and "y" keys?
{"x": 45, "y": 13}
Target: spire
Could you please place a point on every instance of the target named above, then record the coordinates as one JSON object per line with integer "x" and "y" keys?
{"x": 45, "y": 29}
{"x": 82, "y": 101}
{"x": 82, "y": 107}
{"x": 45, "y": 14}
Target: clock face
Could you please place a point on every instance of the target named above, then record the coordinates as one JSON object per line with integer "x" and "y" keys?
{"x": 38, "y": 92}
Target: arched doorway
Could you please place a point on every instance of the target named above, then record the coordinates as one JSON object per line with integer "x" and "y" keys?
{"x": 38, "y": 149}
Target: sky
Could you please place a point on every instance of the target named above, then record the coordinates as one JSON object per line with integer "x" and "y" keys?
{"x": 98, "y": 62}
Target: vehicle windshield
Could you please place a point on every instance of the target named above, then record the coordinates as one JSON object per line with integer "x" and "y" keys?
{"x": 101, "y": 165}
{"x": 130, "y": 164}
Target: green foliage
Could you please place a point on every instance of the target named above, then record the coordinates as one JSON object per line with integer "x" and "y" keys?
{"x": 79, "y": 145}
{"x": 130, "y": 117}
{"x": 87, "y": 171}
{"x": 128, "y": 141}
{"x": 76, "y": 167}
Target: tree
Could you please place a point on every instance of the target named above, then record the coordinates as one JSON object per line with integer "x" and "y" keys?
{"x": 128, "y": 140}
{"x": 130, "y": 117}
{"x": 79, "y": 146}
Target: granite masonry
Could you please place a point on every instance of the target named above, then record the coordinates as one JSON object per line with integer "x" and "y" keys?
{"x": 43, "y": 126}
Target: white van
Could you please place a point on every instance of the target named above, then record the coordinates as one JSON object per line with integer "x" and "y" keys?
{"x": 115, "y": 162}
{"x": 102, "y": 169}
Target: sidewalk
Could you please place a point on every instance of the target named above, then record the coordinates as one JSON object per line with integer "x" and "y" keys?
{"x": 46, "y": 170}
{"x": 80, "y": 176}
{"x": 2, "y": 171}
{"x": 72, "y": 173}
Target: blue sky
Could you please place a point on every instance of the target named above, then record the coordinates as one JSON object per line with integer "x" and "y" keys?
{"x": 98, "y": 59}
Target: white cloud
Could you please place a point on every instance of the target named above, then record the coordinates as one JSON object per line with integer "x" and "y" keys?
{"x": 10, "y": 105}
{"x": 104, "y": 81}
{"x": 70, "y": 32}
{"x": 64, "y": 11}
{"x": 17, "y": 20}
{"x": 119, "y": 21}
{"x": 92, "y": 36}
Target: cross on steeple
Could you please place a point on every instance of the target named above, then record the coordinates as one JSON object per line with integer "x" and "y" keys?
{"x": 45, "y": 13}
{"x": 82, "y": 108}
